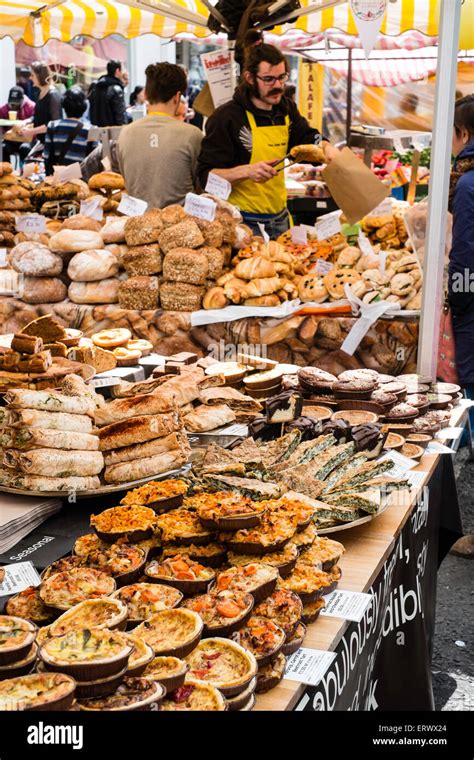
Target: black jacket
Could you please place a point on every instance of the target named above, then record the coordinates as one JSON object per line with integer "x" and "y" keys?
{"x": 228, "y": 140}
{"x": 107, "y": 103}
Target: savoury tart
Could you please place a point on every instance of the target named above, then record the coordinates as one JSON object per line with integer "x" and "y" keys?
{"x": 301, "y": 512}
{"x": 17, "y": 637}
{"x": 132, "y": 694}
{"x": 230, "y": 512}
{"x": 63, "y": 590}
{"x": 91, "y": 613}
{"x": 284, "y": 607}
{"x": 270, "y": 536}
{"x": 222, "y": 612}
{"x": 305, "y": 538}
{"x": 171, "y": 632}
{"x": 262, "y": 637}
{"x": 61, "y": 565}
{"x": 308, "y": 582}
{"x": 182, "y": 573}
{"x": 194, "y": 696}
{"x": 141, "y": 656}
{"x": 311, "y": 611}
{"x": 324, "y": 551}
{"x": 157, "y": 494}
{"x": 240, "y": 701}
{"x": 169, "y": 671}
{"x": 284, "y": 560}
{"x": 29, "y": 605}
{"x": 183, "y": 527}
{"x": 86, "y": 653}
{"x": 20, "y": 667}
{"x": 130, "y": 522}
{"x": 211, "y": 555}
{"x": 145, "y": 599}
{"x": 270, "y": 675}
{"x": 38, "y": 691}
{"x": 123, "y": 561}
{"x": 294, "y": 642}
{"x": 256, "y": 578}
{"x": 222, "y": 663}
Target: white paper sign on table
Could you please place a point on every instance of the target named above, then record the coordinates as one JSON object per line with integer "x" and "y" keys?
{"x": 328, "y": 225}
{"x": 364, "y": 243}
{"x": 91, "y": 207}
{"x": 197, "y": 205}
{"x": 67, "y": 173}
{"x": 3, "y": 257}
{"x": 241, "y": 430}
{"x": 348, "y": 605}
{"x": 383, "y": 209}
{"x": 449, "y": 433}
{"x": 321, "y": 267}
{"x": 31, "y": 223}
{"x": 132, "y": 206}
{"x": 416, "y": 479}
{"x": 18, "y": 577}
{"x": 218, "y": 186}
{"x": 435, "y": 447}
{"x": 299, "y": 235}
{"x": 401, "y": 464}
{"x": 308, "y": 665}
{"x": 104, "y": 382}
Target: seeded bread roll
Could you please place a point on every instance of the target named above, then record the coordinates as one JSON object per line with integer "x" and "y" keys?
{"x": 213, "y": 232}
{"x": 139, "y": 293}
{"x": 142, "y": 259}
{"x": 215, "y": 261}
{"x": 185, "y": 265}
{"x": 173, "y": 214}
{"x": 140, "y": 230}
{"x": 183, "y": 235}
{"x": 180, "y": 296}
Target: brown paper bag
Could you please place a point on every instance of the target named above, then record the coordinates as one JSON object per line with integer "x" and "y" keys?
{"x": 203, "y": 102}
{"x": 353, "y": 186}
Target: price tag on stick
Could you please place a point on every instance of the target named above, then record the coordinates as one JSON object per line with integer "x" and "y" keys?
{"x": 91, "y": 208}
{"x": 203, "y": 208}
{"x": 132, "y": 206}
{"x": 31, "y": 223}
{"x": 328, "y": 225}
{"x": 218, "y": 186}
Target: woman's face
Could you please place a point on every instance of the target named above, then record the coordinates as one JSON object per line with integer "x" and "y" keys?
{"x": 141, "y": 97}
{"x": 460, "y": 140}
{"x": 35, "y": 80}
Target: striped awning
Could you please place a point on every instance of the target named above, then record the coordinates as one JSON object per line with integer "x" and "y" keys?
{"x": 37, "y": 21}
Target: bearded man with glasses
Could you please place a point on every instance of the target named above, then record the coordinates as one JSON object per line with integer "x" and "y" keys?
{"x": 248, "y": 136}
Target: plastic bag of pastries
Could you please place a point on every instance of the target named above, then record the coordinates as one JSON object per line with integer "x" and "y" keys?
{"x": 42, "y": 290}
{"x": 185, "y": 265}
{"x": 180, "y": 296}
{"x": 100, "y": 291}
{"x": 142, "y": 259}
{"x": 89, "y": 266}
{"x": 139, "y": 292}
{"x": 140, "y": 230}
{"x": 186, "y": 234}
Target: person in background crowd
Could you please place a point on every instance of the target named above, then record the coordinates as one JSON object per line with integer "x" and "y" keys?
{"x": 48, "y": 108}
{"x": 24, "y": 108}
{"x": 106, "y": 97}
{"x": 158, "y": 154}
{"x": 66, "y": 139}
{"x": 249, "y": 134}
{"x": 461, "y": 259}
{"x": 24, "y": 81}
{"x": 137, "y": 96}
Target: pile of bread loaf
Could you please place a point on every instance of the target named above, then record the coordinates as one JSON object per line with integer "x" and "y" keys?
{"x": 15, "y": 195}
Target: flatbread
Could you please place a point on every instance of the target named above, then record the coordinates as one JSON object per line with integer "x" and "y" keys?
{"x": 149, "y": 449}
{"x": 79, "y": 423}
{"x": 126, "y": 472}
{"x": 138, "y": 430}
{"x": 54, "y": 463}
{"x": 205, "y": 418}
{"x": 33, "y": 438}
{"x": 124, "y": 409}
{"x": 34, "y": 483}
{"x": 50, "y": 401}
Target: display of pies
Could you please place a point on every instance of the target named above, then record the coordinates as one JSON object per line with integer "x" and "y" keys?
{"x": 304, "y": 539}
{"x": 211, "y": 555}
{"x": 63, "y": 590}
{"x": 256, "y": 578}
{"x": 394, "y": 441}
{"x": 132, "y": 694}
{"x": 183, "y": 527}
{"x": 271, "y": 535}
{"x": 222, "y": 612}
{"x": 194, "y": 696}
{"x": 270, "y": 675}
{"x": 145, "y": 599}
{"x": 134, "y": 523}
{"x": 20, "y": 667}
{"x": 230, "y": 512}
{"x": 262, "y": 637}
{"x": 86, "y": 653}
{"x": 38, "y": 691}
{"x": 169, "y": 671}
{"x": 316, "y": 412}
{"x": 182, "y": 573}
{"x": 311, "y": 610}
{"x": 16, "y": 638}
{"x": 284, "y": 607}
{"x": 87, "y": 543}
{"x": 308, "y": 582}
{"x": 284, "y": 560}
{"x": 61, "y": 565}
{"x": 421, "y": 439}
{"x": 299, "y": 511}
{"x": 29, "y": 605}
{"x": 294, "y": 642}
{"x": 171, "y": 632}
{"x": 222, "y": 663}
{"x": 123, "y": 561}
{"x": 92, "y": 613}
{"x": 141, "y": 656}
{"x": 158, "y": 494}
{"x": 324, "y": 551}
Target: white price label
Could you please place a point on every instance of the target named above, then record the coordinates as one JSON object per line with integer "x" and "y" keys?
{"x": 18, "y": 577}
{"x": 321, "y": 204}
{"x": 31, "y": 223}
{"x": 104, "y": 382}
{"x": 398, "y": 145}
{"x": 264, "y": 233}
{"x": 308, "y": 665}
{"x": 218, "y": 186}
{"x": 364, "y": 243}
{"x": 106, "y": 164}
{"x": 91, "y": 208}
{"x": 416, "y": 479}
{"x": 348, "y": 605}
{"x": 322, "y": 267}
{"x": 130, "y": 206}
{"x": 328, "y": 225}
{"x": 401, "y": 464}
{"x": 3, "y": 257}
{"x": 383, "y": 209}
{"x": 449, "y": 433}
{"x": 203, "y": 208}
{"x": 67, "y": 173}
{"x": 435, "y": 447}
{"x": 299, "y": 235}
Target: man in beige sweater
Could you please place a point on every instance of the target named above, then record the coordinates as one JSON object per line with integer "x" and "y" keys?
{"x": 158, "y": 154}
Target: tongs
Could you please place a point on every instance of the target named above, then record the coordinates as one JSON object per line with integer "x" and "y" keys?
{"x": 288, "y": 155}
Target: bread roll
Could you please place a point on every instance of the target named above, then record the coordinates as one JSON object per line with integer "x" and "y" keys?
{"x": 214, "y": 299}
{"x": 185, "y": 265}
{"x": 258, "y": 266}
{"x": 81, "y": 222}
{"x": 89, "y": 266}
{"x": 215, "y": 261}
{"x": 35, "y": 259}
{"x": 140, "y": 230}
{"x": 43, "y": 290}
{"x": 142, "y": 259}
{"x": 271, "y": 300}
{"x": 173, "y": 214}
{"x": 101, "y": 291}
{"x": 183, "y": 235}
{"x": 139, "y": 292}
{"x": 74, "y": 241}
{"x": 113, "y": 230}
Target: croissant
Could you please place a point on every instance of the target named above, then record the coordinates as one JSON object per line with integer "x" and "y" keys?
{"x": 249, "y": 269}
{"x": 262, "y": 286}
{"x": 214, "y": 299}
{"x": 271, "y": 300}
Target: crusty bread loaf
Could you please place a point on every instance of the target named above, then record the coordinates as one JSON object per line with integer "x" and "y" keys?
{"x": 89, "y": 266}
{"x": 185, "y": 265}
{"x": 140, "y": 230}
{"x": 215, "y": 261}
{"x": 183, "y": 235}
{"x": 42, "y": 290}
{"x": 35, "y": 259}
{"x": 99, "y": 358}
{"x": 113, "y": 230}
{"x": 74, "y": 241}
{"x": 100, "y": 291}
{"x": 213, "y": 232}
{"x": 139, "y": 293}
{"x": 81, "y": 222}
{"x": 180, "y": 296}
{"x": 173, "y": 214}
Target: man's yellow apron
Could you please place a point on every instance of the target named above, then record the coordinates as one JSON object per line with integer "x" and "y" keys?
{"x": 268, "y": 144}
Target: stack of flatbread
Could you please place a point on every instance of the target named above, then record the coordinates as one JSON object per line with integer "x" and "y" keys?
{"x": 47, "y": 438}
{"x": 141, "y": 431}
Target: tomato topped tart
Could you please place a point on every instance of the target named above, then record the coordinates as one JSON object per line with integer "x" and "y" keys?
{"x": 145, "y": 599}
{"x": 181, "y": 573}
{"x": 256, "y": 578}
{"x": 222, "y": 612}
{"x": 222, "y": 663}
{"x": 262, "y": 637}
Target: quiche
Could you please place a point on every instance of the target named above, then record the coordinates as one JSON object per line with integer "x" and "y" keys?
{"x": 132, "y": 694}
{"x": 183, "y": 527}
{"x": 222, "y": 612}
{"x": 90, "y": 541}
{"x": 324, "y": 551}
{"x": 284, "y": 607}
{"x": 262, "y": 637}
{"x": 145, "y": 599}
{"x": 182, "y": 573}
{"x": 61, "y": 565}
{"x": 195, "y": 696}
{"x": 17, "y": 637}
{"x": 274, "y": 531}
{"x": 20, "y": 667}
{"x": 134, "y": 522}
{"x": 169, "y": 671}
{"x": 308, "y": 582}
{"x": 242, "y": 700}
{"x": 86, "y": 653}
{"x": 28, "y": 604}
{"x": 294, "y": 642}
{"x": 171, "y": 632}
{"x": 211, "y": 555}
{"x": 38, "y": 691}
{"x": 270, "y": 675}
{"x": 305, "y": 538}
{"x": 284, "y": 560}
{"x": 141, "y": 656}
{"x": 222, "y": 663}
{"x": 311, "y": 611}
{"x": 301, "y": 512}
{"x": 64, "y": 590}
{"x": 158, "y": 494}
{"x": 123, "y": 561}
{"x": 256, "y": 578}
{"x": 92, "y": 613}
{"x": 229, "y": 511}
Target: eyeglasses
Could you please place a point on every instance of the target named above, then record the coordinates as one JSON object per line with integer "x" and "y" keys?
{"x": 272, "y": 80}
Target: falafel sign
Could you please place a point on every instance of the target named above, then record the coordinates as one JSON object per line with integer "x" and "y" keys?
{"x": 218, "y": 68}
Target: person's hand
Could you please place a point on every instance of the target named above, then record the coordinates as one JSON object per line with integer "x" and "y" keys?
{"x": 261, "y": 172}
{"x": 27, "y": 133}
{"x": 330, "y": 152}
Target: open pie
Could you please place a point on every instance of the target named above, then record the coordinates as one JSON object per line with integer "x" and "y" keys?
{"x": 28, "y": 604}
{"x": 169, "y": 671}
{"x": 145, "y": 599}
{"x": 222, "y": 663}
{"x": 262, "y": 637}
{"x": 222, "y": 612}
{"x": 86, "y": 653}
{"x": 132, "y": 694}
{"x": 183, "y": 527}
{"x": 324, "y": 551}
{"x": 211, "y": 555}
{"x": 159, "y": 494}
{"x": 64, "y": 590}
{"x": 171, "y": 632}
{"x": 181, "y": 573}
{"x": 38, "y": 691}
{"x": 17, "y": 637}
{"x": 229, "y": 511}
{"x": 274, "y": 531}
{"x": 256, "y": 578}
{"x": 123, "y": 561}
{"x": 308, "y": 582}
{"x": 305, "y": 538}
{"x": 92, "y": 613}
{"x": 141, "y": 656}
{"x": 284, "y": 560}
{"x": 284, "y": 608}
{"x": 271, "y": 674}
{"x": 194, "y": 695}
{"x": 134, "y": 523}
